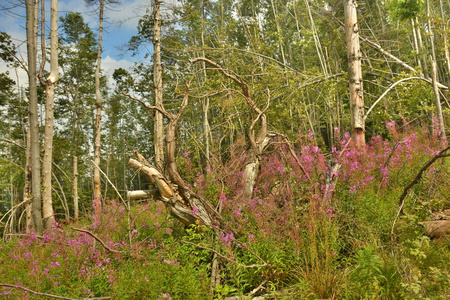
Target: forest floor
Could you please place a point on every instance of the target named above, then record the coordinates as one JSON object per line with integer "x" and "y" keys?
{"x": 348, "y": 234}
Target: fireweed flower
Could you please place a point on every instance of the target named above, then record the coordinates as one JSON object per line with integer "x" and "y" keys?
{"x": 390, "y": 124}
{"x": 226, "y": 238}
{"x": 330, "y": 211}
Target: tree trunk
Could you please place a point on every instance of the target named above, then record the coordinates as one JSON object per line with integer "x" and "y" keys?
{"x": 434, "y": 79}
{"x": 98, "y": 104}
{"x": 440, "y": 116}
{"x": 27, "y": 195}
{"x": 354, "y": 73}
{"x": 186, "y": 207}
{"x": 158, "y": 86}
{"x": 444, "y": 37}
{"x": 49, "y": 84}
{"x": 416, "y": 46}
{"x": 421, "y": 52}
{"x": 11, "y": 189}
{"x": 33, "y": 116}
{"x": 205, "y": 102}
{"x": 75, "y": 188}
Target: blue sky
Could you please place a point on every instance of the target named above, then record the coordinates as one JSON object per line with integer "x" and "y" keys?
{"x": 121, "y": 23}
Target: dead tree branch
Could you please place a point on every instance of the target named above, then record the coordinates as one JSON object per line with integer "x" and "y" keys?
{"x": 97, "y": 239}
{"x": 416, "y": 180}
{"x": 45, "y": 294}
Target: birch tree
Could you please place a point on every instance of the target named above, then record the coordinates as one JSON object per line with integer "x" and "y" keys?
{"x": 98, "y": 121}
{"x": 158, "y": 86}
{"x": 49, "y": 84}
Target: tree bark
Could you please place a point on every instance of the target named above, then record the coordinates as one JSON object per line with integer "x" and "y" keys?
{"x": 33, "y": 116}
{"x": 98, "y": 122}
{"x": 355, "y": 73}
{"x": 158, "y": 87}
{"x": 205, "y": 102}
{"x": 422, "y": 52}
{"x": 75, "y": 188}
{"x": 437, "y": 98}
{"x": 416, "y": 46}
{"x": 186, "y": 207}
{"x": 444, "y": 36}
{"x": 27, "y": 194}
{"x": 49, "y": 85}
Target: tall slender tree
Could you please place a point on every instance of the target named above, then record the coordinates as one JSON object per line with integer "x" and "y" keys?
{"x": 158, "y": 86}
{"x": 435, "y": 79}
{"x": 98, "y": 105}
{"x": 31, "y": 7}
{"x": 49, "y": 84}
{"x": 354, "y": 72}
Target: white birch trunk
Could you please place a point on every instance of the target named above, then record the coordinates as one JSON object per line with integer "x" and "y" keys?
{"x": 47, "y": 206}
{"x": 158, "y": 86}
{"x": 98, "y": 121}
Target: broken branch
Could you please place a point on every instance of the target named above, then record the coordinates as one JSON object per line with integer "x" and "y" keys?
{"x": 45, "y": 294}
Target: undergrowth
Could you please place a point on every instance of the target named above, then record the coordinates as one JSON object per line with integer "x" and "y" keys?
{"x": 289, "y": 239}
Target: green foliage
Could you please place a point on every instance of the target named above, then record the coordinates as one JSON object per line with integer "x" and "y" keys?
{"x": 7, "y": 48}
{"x": 405, "y": 9}
{"x": 375, "y": 277}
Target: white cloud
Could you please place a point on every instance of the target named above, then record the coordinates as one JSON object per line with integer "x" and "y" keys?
{"x": 109, "y": 64}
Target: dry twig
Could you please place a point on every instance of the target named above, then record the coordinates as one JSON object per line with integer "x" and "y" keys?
{"x": 97, "y": 239}
{"x": 45, "y": 294}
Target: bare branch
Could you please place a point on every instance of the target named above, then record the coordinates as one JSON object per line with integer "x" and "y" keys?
{"x": 97, "y": 239}
{"x": 161, "y": 110}
{"x": 12, "y": 142}
{"x": 390, "y": 88}
{"x": 237, "y": 79}
{"x": 45, "y": 294}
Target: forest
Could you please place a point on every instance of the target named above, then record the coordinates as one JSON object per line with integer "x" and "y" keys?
{"x": 262, "y": 149}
